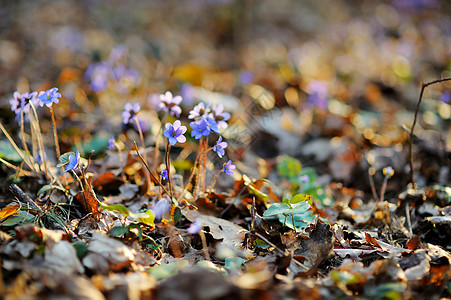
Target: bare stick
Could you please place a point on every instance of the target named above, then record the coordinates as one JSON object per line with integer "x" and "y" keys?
{"x": 417, "y": 110}
{"x": 24, "y": 198}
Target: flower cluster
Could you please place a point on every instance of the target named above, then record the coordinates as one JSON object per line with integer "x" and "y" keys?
{"x": 124, "y": 79}
{"x": 22, "y": 102}
{"x": 207, "y": 120}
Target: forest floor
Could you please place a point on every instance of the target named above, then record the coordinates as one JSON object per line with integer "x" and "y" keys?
{"x": 293, "y": 158}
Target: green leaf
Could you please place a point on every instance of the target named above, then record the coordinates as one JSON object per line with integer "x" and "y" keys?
{"x": 64, "y": 159}
{"x": 289, "y": 167}
{"x": 277, "y": 209}
{"x": 300, "y": 198}
{"x": 300, "y": 220}
{"x": 22, "y": 217}
{"x": 234, "y": 263}
{"x": 177, "y": 214}
{"x": 168, "y": 270}
{"x": 8, "y": 152}
{"x": 147, "y": 217}
{"x": 300, "y": 208}
{"x": 98, "y": 143}
{"x": 81, "y": 249}
{"x": 117, "y": 231}
{"x": 49, "y": 187}
{"x": 117, "y": 207}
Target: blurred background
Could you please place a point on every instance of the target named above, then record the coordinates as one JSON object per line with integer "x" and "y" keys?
{"x": 328, "y": 68}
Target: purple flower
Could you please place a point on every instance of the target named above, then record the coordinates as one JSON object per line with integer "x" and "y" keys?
{"x": 49, "y": 97}
{"x": 445, "y": 97}
{"x": 200, "y": 128}
{"x": 195, "y": 227}
{"x": 130, "y": 112}
{"x": 228, "y": 168}
{"x": 118, "y": 53}
{"x": 175, "y": 132}
{"x": 111, "y": 143}
{"x": 74, "y": 160}
{"x": 219, "y": 147}
{"x": 21, "y": 102}
{"x": 164, "y": 174}
{"x": 97, "y": 75}
{"x": 220, "y": 116}
{"x": 161, "y": 208}
{"x": 318, "y": 94}
{"x": 246, "y": 77}
{"x": 171, "y": 104}
{"x": 199, "y": 111}
{"x": 127, "y": 79}
{"x": 203, "y": 127}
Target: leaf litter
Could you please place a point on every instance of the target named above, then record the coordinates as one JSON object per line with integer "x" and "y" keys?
{"x": 310, "y": 210}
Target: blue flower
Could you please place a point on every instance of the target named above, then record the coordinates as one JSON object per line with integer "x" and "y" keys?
{"x": 164, "y": 174}
{"x": 98, "y": 74}
{"x": 199, "y": 111}
{"x": 200, "y": 128}
{"x": 219, "y": 147}
{"x": 171, "y": 104}
{"x": 111, "y": 143}
{"x": 228, "y": 168}
{"x": 130, "y": 112}
{"x": 220, "y": 116}
{"x": 74, "y": 160}
{"x": 49, "y": 97}
{"x": 203, "y": 127}
{"x": 195, "y": 227}
{"x": 175, "y": 132}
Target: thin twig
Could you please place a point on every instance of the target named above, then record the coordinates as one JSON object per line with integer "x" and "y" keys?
{"x": 148, "y": 169}
{"x": 417, "y": 110}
